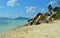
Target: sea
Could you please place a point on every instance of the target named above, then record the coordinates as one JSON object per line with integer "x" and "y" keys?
{"x": 8, "y": 25}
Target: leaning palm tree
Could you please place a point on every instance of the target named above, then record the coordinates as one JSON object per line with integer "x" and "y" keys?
{"x": 52, "y": 11}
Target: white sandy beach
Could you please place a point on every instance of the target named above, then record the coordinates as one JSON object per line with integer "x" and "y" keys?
{"x": 44, "y": 30}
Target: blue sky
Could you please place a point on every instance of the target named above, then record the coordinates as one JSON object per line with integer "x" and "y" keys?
{"x": 24, "y": 8}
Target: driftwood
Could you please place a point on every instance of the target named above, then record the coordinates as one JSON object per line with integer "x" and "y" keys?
{"x": 38, "y": 19}
{"x": 48, "y": 18}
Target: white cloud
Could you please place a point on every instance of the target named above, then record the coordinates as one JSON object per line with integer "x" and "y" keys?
{"x": 52, "y": 2}
{"x": 12, "y": 3}
{"x": 30, "y": 9}
{"x": 1, "y": 7}
{"x": 43, "y": 10}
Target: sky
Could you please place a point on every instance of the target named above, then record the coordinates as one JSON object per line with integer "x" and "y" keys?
{"x": 24, "y": 8}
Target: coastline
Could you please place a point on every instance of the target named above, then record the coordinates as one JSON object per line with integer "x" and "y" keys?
{"x": 44, "y": 30}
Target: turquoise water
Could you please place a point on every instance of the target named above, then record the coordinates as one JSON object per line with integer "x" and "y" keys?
{"x": 7, "y": 25}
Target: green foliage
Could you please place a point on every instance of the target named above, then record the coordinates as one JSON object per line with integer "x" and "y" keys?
{"x": 50, "y": 7}
{"x": 58, "y": 15}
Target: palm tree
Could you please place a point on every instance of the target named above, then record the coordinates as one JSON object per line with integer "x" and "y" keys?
{"x": 50, "y": 8}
